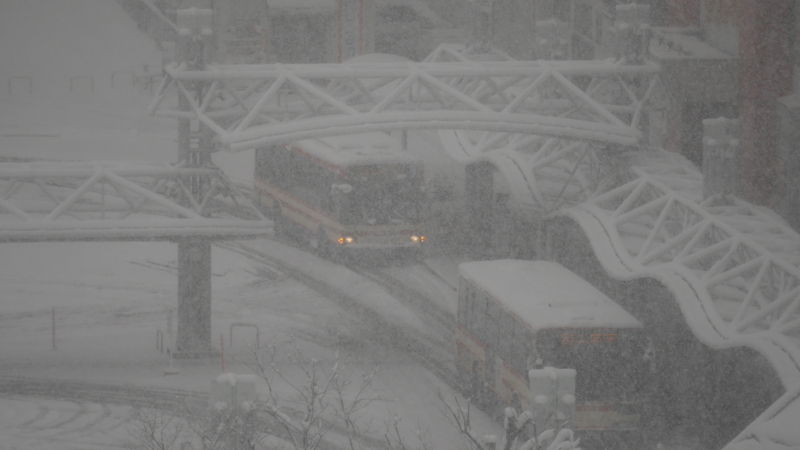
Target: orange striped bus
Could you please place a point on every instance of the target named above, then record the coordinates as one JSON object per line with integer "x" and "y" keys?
{"x": 515, "y": 315}
{"x": 348, "y": 192}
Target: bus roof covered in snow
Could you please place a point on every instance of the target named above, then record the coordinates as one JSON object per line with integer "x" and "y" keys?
{"x": 546, "y": 295}
{"x": 357, "y": 150}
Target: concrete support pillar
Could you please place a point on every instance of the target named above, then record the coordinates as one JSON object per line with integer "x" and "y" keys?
{"x": 194, "y": 298}
{"x": 194, "y": 254}
{"x": 720, "y": 152}
{"x": 766, "y": 75}
{"x": 479, "y": 190}
{"x": 787, "y": 197}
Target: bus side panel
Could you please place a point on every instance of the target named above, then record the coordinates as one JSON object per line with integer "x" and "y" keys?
{"x": 468, "y": 351}
{"x": 265, "y": 199}
{"x": 294, "y": 209}
{"x": 285, "y": 177}
{"x": 594, "y": 415}
{"x": 513, "y": 382}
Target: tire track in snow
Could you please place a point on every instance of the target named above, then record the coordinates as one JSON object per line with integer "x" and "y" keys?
{"x": 82, "y": 410}
{"x": 43, "y": 410}
{"x": 432, "y": 357}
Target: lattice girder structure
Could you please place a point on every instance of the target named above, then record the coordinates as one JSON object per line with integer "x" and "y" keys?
{"x": 732, "y": 266}
{"x": 48, "y": 201}
{"x": 542, "y": 174}
{"x": 466, "y": 53}
{"x": 248, "y": 106}
{"x": 544, "y": 125}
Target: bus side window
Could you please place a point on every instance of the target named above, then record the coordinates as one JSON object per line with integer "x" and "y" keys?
{"x": 494, "y": 330}
{"x": 507, "y": 332}
{"x": 325, "y": 181}
{"x": 266, "y": 164}
{"x": 472, "y": 308}
{"x": 281, "y": 166}
{"x": 319, "y": 182}
{"x": 519, "y": 347}
{"x": 262, "y": 162}
{"x": 478, "y": 314}
{"x": 462, "y": 302}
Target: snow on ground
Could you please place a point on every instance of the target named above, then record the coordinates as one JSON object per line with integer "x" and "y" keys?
{"x": 111, "y": 300}
{"x": 38, "y": 424}
{"x": 57, "y": 99}
{"x": 86, "y": 126}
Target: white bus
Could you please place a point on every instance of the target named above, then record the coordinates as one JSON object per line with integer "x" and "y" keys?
{"x": 516, "y": 315}
{"x": 350, "y": 192}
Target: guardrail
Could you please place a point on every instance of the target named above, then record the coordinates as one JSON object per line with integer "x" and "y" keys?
{"x": 147, "y": 81}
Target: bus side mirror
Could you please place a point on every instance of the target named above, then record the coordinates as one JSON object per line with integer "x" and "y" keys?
{"x": 339, "y": 198}
{"x": 344, "y": 188}
{"x": 649, "y": 352}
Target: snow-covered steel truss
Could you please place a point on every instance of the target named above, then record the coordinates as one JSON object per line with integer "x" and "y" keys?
{"x": 550, "y": 128}
{"x": 46, "y": 201}
{"x": 255, "y": 105}
{"x": 733, "y": 266}
{"x": 545, "y": 174}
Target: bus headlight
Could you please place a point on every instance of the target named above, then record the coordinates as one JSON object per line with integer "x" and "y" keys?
{"x": 344, "y": 240}
{"x": 417, "y": 238}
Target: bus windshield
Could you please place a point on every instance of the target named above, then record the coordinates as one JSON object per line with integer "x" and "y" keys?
{"x": 382, "y": 199}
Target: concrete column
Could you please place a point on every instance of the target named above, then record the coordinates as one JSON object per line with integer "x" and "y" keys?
{"x": 787, "y": 198}
{"x": 765, "y": 75}
{"x": 194, "y": 298}
{"x": 194, "y": 254}
{"x": 479, "y": 190}
{"x": 720, "y": 151}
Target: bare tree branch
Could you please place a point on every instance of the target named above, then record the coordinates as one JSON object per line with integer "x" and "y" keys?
{"x": 459, "y": 417}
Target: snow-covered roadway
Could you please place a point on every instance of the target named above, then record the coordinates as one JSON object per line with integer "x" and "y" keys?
{"x": 112, "y": 299}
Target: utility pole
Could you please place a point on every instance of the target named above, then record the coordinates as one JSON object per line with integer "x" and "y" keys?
{"x": 194, "y": 150}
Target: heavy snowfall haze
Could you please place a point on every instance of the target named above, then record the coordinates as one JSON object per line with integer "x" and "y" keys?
{"x": 59, "y": 102}
{"x": 112, "y": 301}
{"x": 60, "y": 58}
